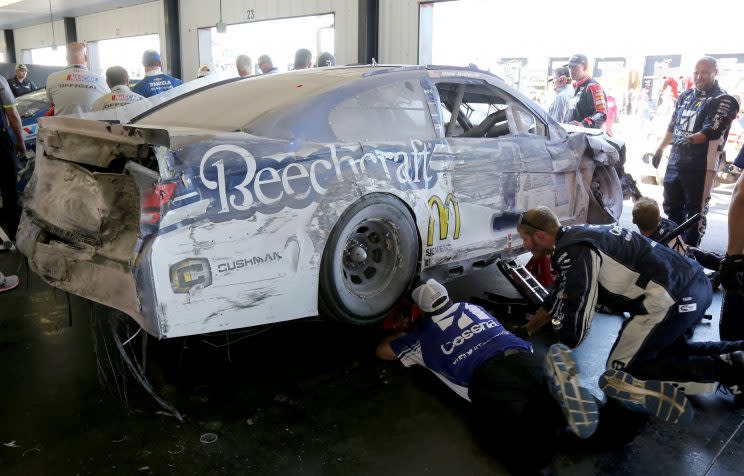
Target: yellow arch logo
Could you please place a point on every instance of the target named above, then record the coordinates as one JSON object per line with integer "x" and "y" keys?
{"x": 443, "y": 211}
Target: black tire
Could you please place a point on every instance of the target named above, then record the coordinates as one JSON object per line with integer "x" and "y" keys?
{"x": 369, "y": 261}
{"x": 605, "y": 196}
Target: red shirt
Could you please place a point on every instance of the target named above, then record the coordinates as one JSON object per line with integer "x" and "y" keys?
{"x": 673, "y": 84}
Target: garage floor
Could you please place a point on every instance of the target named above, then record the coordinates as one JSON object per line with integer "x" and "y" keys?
{"x": 304, "y": 397}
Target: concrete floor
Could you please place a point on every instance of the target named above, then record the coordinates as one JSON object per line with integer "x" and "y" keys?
{"x": 305, "y": 397}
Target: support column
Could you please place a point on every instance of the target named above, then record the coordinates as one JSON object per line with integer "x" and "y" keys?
{"x": 10, "y": 53}
{"x": 369, "y": 31}
{"x": 172, "y": 37}
{"x": 70, "y": 30}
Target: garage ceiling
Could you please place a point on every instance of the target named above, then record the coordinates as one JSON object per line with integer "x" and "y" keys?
{"x": 17, "y": 14}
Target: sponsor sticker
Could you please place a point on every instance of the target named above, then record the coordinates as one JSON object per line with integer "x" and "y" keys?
{"x": 687, "y": 307}
{"x": 188, "y": 273}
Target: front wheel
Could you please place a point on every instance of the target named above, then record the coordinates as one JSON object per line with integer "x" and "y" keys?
{"x": 369, "y": 260}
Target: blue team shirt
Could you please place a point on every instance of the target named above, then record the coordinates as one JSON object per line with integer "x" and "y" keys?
{"x": 453, "y": 343}
{"x": 155, "y": 84}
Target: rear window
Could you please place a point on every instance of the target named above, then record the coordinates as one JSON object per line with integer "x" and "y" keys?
{"x": 390, "y": 112}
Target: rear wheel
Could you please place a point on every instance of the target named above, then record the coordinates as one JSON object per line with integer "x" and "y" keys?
{"x": 605, "y": 196}
{"x": 369, "y": 260}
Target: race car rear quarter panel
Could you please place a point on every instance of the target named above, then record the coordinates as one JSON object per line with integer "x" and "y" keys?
{"x": 241, "y": 240}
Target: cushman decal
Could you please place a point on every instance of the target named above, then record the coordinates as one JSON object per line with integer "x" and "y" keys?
{"x": 244, "y": 263}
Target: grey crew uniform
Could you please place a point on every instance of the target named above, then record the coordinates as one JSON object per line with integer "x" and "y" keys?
{"x": 74, "y": 90}
{"x": 120, "y": 95}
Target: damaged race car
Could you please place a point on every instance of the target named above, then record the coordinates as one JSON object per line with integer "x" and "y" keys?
{"x": 256, "y": 200}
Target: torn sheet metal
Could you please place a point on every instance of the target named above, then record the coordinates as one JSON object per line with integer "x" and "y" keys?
{"x": 192, "y": 231}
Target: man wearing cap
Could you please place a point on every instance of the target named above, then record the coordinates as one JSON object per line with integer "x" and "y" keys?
{"x": 20, "y": 84}
{"x": 665, "y": 293}
{"x": 117, "y": 79}
{"x": 10, "y": 122}
{"x": 325, "y": 59}
{"x": 476, "y": 357}
{"x": 697, "y": 131}
{"x": 588, "y": 105}
{"x": 155, "y": 81}
{"x": 74, "y": 89}
{"x": 564, "y": 91}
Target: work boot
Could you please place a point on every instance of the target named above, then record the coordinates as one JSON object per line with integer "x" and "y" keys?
{"x": 736, "y": 359}
{"x": 659, "y": 399}
{"x": 577, "y": 403}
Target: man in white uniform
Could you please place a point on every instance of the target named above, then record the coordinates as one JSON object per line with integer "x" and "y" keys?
{"x": 117, "y": 79}
{"x": 73, "y": 90}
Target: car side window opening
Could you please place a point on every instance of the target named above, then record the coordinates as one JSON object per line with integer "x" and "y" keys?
{"x": 389, "y": 112}
{"x": 484, "y": 111}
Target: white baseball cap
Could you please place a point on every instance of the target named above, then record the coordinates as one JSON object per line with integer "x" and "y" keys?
{"x": 430, "y": 296}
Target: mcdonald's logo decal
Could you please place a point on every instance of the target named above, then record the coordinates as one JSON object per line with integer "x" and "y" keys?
{"x": 443, "y": 212}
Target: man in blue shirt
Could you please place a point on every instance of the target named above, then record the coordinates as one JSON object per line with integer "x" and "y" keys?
{"x": 155, "y": 81}
{"x": 476, "y": 357}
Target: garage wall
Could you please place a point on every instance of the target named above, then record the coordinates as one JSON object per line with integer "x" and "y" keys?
{"x": 197, "y": 14}
{"x": 145, "y": 19}
{"x": 399, "y": 26}
{"x": 38, "y": 36}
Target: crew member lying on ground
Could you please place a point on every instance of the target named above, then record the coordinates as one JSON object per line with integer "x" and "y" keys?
{"x": 665, "y": 293}
{"x": 647, "y": 217}
{"x": 472, "y": 353}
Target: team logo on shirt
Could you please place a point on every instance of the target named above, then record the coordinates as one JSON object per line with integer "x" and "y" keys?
{"x": 445, "y": 322}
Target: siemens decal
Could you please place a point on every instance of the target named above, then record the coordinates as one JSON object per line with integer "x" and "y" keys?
{"x": 244, "y": 183}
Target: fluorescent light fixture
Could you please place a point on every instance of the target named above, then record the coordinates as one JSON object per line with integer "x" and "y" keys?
{"x": 4, "y": 3}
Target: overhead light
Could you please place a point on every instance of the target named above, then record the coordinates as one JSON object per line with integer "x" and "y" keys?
{"x": 221, "y": 28}
{"x": 4, "y": 3}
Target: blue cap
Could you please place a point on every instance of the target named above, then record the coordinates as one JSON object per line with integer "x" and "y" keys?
{"x": 150, "y": 58}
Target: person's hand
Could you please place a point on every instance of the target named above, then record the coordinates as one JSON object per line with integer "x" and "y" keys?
{"x": 683, "y": 141}
{"x": 520, "y": 331}
{"x": 732, "y": 274}
{"x": 656, "y": 160}
{"x": 21, "y": 148}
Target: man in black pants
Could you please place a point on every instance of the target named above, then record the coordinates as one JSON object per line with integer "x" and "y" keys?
{"x": 697, "y": 132}
{"x": 10, "y": 121}
{"x": 472, "y": 353}
{"x": 666, "y": 294}
{"x": 732, "y": 272}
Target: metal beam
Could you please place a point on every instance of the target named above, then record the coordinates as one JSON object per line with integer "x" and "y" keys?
{"x": 70, "y": 30}
{"x": 172, "y": 37}
{"x": 10, "y": 47}
{"x": 369, "y": 31}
